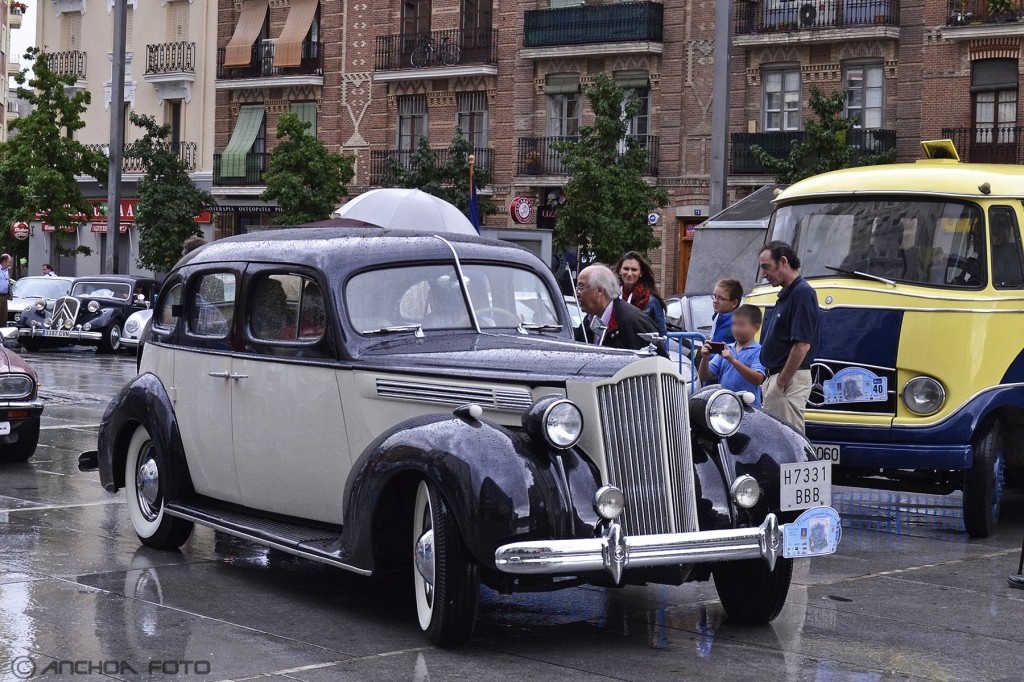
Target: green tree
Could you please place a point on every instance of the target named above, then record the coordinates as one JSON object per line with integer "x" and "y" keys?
{"x": 168, "y": 199}
{"x": 607, "y": 199}
{"x": 38, "y": 165}
{"x": 443, "y": 173}
{"x": 305, "y": 179}
{"x": 825, "y": 146}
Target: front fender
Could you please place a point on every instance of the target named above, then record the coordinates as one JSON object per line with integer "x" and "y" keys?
{"x": 142, "y": 402}
{"x": 500, "y": 485}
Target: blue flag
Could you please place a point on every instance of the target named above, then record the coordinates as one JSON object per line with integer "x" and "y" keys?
{"x": 473, "y": 211}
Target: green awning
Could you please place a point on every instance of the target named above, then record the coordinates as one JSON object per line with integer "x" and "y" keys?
{"x": 562, "y": 83}
{"x": 635, "y": 80}
{"x": 232, "y": 160}
{"x": 306, "y": 111}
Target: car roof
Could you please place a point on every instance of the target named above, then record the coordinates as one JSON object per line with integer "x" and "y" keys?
{"x": 932, "y": 177}
{"x": 57, "y": 277}
{"x": 116, "y": 279}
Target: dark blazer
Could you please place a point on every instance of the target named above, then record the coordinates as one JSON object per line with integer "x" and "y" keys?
{"x": 630, "y": 322}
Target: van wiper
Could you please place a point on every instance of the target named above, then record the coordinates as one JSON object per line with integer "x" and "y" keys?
{"x": 398, "y": 329}
{"x": 527, "y": 327}
{"x": 865, "y": 275}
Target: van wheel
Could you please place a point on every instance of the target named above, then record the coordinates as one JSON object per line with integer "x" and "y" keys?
{"x": 149, "y": 482}
{"x": 983, "y": 482}
{"x": 446, "y": 579}
{"x": 750, "y": 593}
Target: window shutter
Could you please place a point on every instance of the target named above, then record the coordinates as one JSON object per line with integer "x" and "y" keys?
{"x": 72, "y": 25}
{"x": 179, "y": 21}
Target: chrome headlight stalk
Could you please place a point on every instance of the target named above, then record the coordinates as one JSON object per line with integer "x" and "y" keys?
{"x": 555, "y": 420}
{"x": 924, "y": 396}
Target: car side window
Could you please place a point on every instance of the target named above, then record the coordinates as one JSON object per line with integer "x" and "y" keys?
{"x": 164, "y": 318}
{"x": 1004, "y": 233}
{"x": 287, "y": 307}
{"x": 212, "y": 305}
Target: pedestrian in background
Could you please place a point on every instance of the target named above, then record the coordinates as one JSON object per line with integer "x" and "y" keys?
{"x": 725, "y": 299}
{"x": 613, "y": 322}
{"x": 5, "y": 286}
{"x": 736, "y": 366}
{"x": 48, "y": 270}
{"x": 791, "y": 335}
{"x": 639, "y": 288}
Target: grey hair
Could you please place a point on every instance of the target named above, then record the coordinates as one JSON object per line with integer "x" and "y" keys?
{"x": 602, "y": 277}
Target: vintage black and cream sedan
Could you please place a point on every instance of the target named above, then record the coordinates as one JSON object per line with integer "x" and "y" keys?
{"x": 91, "y": 314}
{"x": 400, "y": 403}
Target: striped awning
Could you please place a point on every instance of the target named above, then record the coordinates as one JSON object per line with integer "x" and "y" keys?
{"x": 247, "y": 30}
{"x": 288, "y": 51}
{"x": 233, "y": 159}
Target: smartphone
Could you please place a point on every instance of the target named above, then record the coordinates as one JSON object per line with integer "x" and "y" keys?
{"x": 716, "y": 346}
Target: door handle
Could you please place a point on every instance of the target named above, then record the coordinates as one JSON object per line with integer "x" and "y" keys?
{"x": 218, "y": 375}
{"x": 238, "y": 376}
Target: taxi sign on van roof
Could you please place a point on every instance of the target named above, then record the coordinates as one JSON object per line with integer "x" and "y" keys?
{"x": 940, "y": 174}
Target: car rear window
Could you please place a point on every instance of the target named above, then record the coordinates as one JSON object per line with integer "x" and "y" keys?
{"x": 213, "y": 305}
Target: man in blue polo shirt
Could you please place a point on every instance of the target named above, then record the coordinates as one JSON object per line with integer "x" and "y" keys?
{"x": 789, "y": 338}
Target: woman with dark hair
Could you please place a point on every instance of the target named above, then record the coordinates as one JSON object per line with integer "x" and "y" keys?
{"x": 638, "y": 288}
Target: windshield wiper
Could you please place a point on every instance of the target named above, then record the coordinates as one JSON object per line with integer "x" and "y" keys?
{"x": 865, "y": 275}
{"x": 527, "y": 327}
{"x": 398, "y": 329}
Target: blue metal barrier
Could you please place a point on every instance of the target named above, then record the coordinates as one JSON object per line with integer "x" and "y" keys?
{"x": 696, "y": 340}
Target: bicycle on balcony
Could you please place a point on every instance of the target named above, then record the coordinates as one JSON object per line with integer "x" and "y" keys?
{"x": 431, "y": 51}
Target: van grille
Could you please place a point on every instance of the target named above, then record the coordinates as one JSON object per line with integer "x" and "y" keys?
{"x": 647, "y": 446}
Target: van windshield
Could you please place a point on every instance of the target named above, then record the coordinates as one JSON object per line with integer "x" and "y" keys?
{"x": 934, "y": 243}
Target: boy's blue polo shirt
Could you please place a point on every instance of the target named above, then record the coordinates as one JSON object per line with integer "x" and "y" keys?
{"x": 729, "y": 377}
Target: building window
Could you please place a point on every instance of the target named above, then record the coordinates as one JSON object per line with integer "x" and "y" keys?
{"x": 174, "y": 120}
{"x": 476, "y": 17}
{"x": 564, "y": 106}
{"x": 71, "y": 31}
{"x": 865, "y": 87}
{"x": 471, "y": 118}
{"x": 782, "y": 99}
{"x": 415, "y": 17}
{"x": 129, "y": 31}
{"x": 994, "y": 84}
{"x": 412, "y": 120}
{"x": 177, "y": 26}
{"x": 636, "y": 87}
{"x": 306, "y": 111}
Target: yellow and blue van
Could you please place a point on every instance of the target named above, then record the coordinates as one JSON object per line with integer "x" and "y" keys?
{"x": 919, "y": 271}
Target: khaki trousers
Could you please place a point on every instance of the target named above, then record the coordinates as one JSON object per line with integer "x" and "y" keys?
{"x": 787, "y": 405}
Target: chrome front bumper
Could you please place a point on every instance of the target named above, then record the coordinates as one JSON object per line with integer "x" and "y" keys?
{"x": 614, "y": 552}
{"x": 73, "y": 334}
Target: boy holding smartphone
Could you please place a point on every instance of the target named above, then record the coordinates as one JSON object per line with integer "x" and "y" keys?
{"x": 736, "y": 366}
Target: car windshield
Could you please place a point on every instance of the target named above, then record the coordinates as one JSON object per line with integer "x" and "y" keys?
{"x": 935, "y": 243}
{"x": 40, "y": 287}
{"x": 702, "y": 310}
{"x": 430, "y": 297}
{"x": 119, "y": 290}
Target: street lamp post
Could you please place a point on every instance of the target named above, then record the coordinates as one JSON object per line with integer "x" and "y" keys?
{"x": 720, "y": 104}
{"x": 113, "y": 264}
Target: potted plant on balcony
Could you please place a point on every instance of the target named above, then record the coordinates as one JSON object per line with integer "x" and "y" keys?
{"x": 18, "y": 7}
{"x": 1002, "y": 10}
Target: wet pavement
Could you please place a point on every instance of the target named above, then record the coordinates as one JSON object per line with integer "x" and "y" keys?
{"x": 908, "y": 596}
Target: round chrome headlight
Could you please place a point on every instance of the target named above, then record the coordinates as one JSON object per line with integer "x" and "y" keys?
{"x": 924, "y": 395}
{"x": 563, "y": 424}
{"x": 131, "y": 326}
{"x": 609, "y": 502}
{"x": 40, "y": 305}
{"x": 724, "y": 413}
{"x": 93, "y": 306}
{"x": 87, "y": 326}
{"x": 68, "y": 324}
{"x": 745, "y": 491}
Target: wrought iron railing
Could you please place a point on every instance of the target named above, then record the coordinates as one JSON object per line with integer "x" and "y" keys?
{"x": 255, "y": 166}
{"x": 617, "y": 22}
{"x": 70, "y": 63}
{"x": 780, "y": 143}
{"x": 988, "y": 144}
{"x": 786, "y": 16}
{"x": 261, "y": 63}
{"x": 978, "y": 12}
{"x": 540, "y": 156}
{"x": 381, "y": 160}
{"x": 186, "y": 151}
{"x": 177, "y": 57}
{"x": 437, "y": 48}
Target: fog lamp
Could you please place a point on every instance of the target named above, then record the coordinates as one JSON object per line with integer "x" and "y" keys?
{"x": 87, "y": 326}
{"x": 609, "y": 502}
{"x": 924, "y": 395}
{"x": 745, "y": 491}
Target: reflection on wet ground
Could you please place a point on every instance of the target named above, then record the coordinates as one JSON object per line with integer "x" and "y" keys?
{"x": 907, "y": 596}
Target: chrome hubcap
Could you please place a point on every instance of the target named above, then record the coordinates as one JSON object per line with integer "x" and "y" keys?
{"x": 424, "y": 557}
{"x": 147, "y": 487}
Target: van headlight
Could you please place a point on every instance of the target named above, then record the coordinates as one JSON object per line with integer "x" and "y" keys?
{"x": 724, "y": 412}
{"x": 924, "y": 396}
{"x": 556, "y": 420}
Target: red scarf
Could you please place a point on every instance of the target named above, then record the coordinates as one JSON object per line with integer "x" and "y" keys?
{"x": 640, "y": 296}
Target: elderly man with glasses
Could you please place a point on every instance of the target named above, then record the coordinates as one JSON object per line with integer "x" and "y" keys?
{"x": 611, "y": 321}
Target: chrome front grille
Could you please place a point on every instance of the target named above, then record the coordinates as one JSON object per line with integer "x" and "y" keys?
{"x": 65, "y": 309}
{"x": 647, "y": 446}
{"x": 512, "y": 400}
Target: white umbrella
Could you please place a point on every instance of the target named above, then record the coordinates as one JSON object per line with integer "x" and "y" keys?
{"x": 406, "y": 209}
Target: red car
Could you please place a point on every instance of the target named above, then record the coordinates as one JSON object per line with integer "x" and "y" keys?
{"x": 20, "y": 408}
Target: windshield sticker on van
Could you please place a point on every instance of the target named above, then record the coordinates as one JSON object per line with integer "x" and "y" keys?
{"x": 856, "y": 385}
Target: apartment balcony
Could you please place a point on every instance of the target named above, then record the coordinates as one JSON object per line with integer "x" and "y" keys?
{"x": 381, "y": 159}
{"x": 988, "y": 144}
{"x": 71, "y": 63}
{"x": 779, "y": 144}
{"x": 538, "y": 157}
{"x": 171, "y": 69}
{"x": 255, "y": 166}
{"x": 186, "y": 151}
{"x": 15, "y": 13}
{"x": 261, "y": 72}
{"x": 610, "y": 29}
{"x": 771, "y": 22}
{"x": 979, "y": 19}
{"x": 439, "y": 54}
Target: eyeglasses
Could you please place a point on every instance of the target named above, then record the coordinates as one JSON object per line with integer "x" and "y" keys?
{"x": 580, "y": 286}
{"x": 719, "y": 298}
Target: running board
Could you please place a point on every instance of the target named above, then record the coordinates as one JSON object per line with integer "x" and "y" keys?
{"x": 304, "y": 541}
